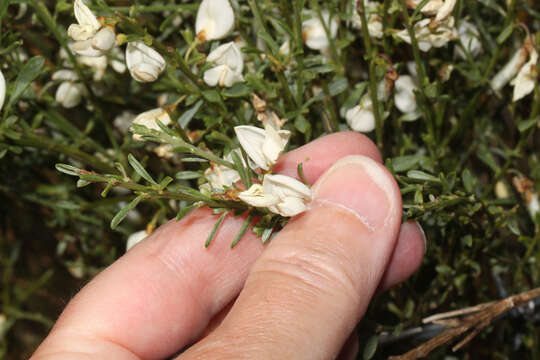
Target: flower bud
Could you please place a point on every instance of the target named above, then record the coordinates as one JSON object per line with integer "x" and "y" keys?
{"x": 229, "y": 64}
{"x": 104, "y": 39}
{"x": 215, "y": 20}
{"x": 144, "y": 63}
{"x": 69, "y": 94}
{"x": 149, "y": 118}
{"x": 404, "y": 97}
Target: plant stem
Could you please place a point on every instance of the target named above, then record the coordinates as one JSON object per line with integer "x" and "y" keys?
{"x": 297, "y": 22}
{"x": 373, "y": 85}
{"x": 44, "y": 143}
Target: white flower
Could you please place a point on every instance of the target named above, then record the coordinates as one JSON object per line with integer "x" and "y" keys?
{"x": 220, "y": 176}
{"x": 374, "y": 21}
{"x": 510, "y": 70}
{"x": 135, "y": 238}
{"x": 70, "y": 92}
{"x": 285, "y": 48}
{"x": 441, "y": 8}
{"x": 2, "y": 89}
{"x": 263, "y": 146}
{"x": 255, "y": 196}
{"x": 91, "y": 38}
{"x": 118, "y": 60}
{"x": 404, "y": 97}
{"x": 361, "y": 117}
{"x": 430, "y": 34}
{"x": 469, "y": 36}
{"x": 228, "y": 66}
{"x": 533, "y": 205}
{"x": 313, "y": 30}
{"x": 525, "y": 80}
{"x": 215, "y": 20}
{"x": 144, "y": 63}
{"x": 123, "y": 121}
{"x": 281, "y": 194}
{"x": 98, "y": 65}
{"x": 149, "y": 118}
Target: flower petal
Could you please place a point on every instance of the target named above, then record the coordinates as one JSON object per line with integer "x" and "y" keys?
{"x": 252, "y": 139}
{"x": 215, "y": 20}
{"x": 84, "y": 16}
{"x": 255, "y": 196}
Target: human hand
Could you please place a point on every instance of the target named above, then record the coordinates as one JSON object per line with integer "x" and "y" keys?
{"x": 300, "y": 298}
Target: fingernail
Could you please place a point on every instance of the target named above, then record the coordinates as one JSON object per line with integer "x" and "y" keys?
{"x": 360, "y": 185}
{"x": 423, "y": 235}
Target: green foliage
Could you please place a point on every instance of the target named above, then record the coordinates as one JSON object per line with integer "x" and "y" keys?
{"x": 467, "y": 144}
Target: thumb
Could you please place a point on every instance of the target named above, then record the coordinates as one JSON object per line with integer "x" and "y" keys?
{"x": 311, "y": 286}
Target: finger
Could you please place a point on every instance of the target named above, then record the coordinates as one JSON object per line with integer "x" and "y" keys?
{"x": 161, "y": 295}
{"x": 307, "y": 291}
{"x": 405, "y": 260}
{"x": 407, "y": 256}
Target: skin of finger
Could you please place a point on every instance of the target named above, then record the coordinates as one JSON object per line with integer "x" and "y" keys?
{"x": 161, "y": 295}
{"x": 407, "y": 256}
{"x": 309, "y": 288}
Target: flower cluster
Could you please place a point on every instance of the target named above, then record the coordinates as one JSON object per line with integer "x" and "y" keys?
{"x": 280, "y": 194}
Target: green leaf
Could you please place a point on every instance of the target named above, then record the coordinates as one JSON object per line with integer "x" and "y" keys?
{"x": 237, "y": 90}
{"x": 29, "y": 73}
{"x": 468, "y": 180}
{"x": 527, "y": 124}
{"x": 187, "y": 175}
{"x": 405, "y": 163}
{"x": 338, "y": 86}
{"x": 215, "y": 229}
{"x": 420, "y": 175}
{"x": 121, "y": 215}
{"x": 505, "y": 34}
{"x": 267, "y": 233}
{"x": 242, "y": 231}
{"x": 300, "y": 171}
{"x": 68, "y": 169}
{"x": 187, "y": 116}
{"x": 241, "y": 169}
{"x": 371, "y": 347}
{"x": 212, "y": 96}
{"x": 139, "y": 169}
{"x": 301, "y": 124}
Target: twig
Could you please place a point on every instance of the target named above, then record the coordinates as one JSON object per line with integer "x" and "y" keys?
{"x": 474, "y": 323}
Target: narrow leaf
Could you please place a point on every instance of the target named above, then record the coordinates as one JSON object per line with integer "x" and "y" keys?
{"x": 139, "y": 169}
{"x": 29, "y": 72}
{"x": 215, "y": 229}
{"x": 242, "y": 231}
{"x": 246, "y": 180}
{"x": 121, "y": 215}
{"x": 187, "y": 116}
